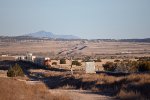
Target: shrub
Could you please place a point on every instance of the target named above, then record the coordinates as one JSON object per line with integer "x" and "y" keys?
{"x": 116, "y": 60}
{"x": 144, "y": 59}
{"x": 14, "y": 71}
{"x": 76, "y": 63}
{"x": 144, "y": 66}
{"x": 127, "y": 66}
{"x": 54, "y": 63}
{"x": 98, "y": 60}
{"x": 109, "y": 66}
{"x": 126, "y": 60}
{"x": 86, "y": 59}
{"x": 62, "y": 61}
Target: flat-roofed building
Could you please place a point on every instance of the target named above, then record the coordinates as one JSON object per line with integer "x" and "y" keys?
{"x": 90, "y": 67}
{"x": 42, "y": 60}
{"x": 12, "y": 58}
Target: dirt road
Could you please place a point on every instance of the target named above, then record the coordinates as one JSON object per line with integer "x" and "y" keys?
{"x": 80, "y": 94}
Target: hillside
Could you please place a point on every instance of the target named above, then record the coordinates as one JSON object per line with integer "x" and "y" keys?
{"x": 44, "y": 34}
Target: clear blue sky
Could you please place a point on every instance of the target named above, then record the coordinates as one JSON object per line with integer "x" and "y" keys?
{"x": 84, "y": 18}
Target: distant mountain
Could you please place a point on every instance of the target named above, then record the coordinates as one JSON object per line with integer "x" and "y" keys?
{"x": 44, "y": 34}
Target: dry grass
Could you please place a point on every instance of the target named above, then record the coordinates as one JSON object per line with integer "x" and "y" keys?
{"x": 131, "y": 86}
{"x": 123, "y": 87}
{"x": 123, "y": 95}
{"x": 11, "y": 89}
{"x": 128, "y": 87}
{"x": 139, "y": 78}
{"x": 92, "y": 47}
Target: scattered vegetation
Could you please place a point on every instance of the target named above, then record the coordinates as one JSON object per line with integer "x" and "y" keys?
{"x": 109, "y": 66}
{"x": 54, "y": 63}
{"x": 86, "y": 59}
{"x": 126, "y": 87}
{"x": 12, "y": 89}
{"x": 116, "y": 60}
{"x": 144, "y": 66}
{"x": 14, "y": 71}
{"x": 112, "y": 85}
{"x": 76, "y": 63}
{"x": 127, "y": 66}
{"x": 144, "y": 59}
{"x": 62, "y": 61}
{"x": 98, "y": 60}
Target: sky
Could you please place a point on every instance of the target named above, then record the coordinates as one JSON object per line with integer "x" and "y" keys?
{"x": 91, "y": 19}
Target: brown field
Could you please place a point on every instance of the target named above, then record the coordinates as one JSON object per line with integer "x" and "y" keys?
{"x": 79, "y": 86}
{"x": 128, "y": 87}
{"x": 51, "y": 48}
{"x": 18, "y": 89}
{"x": 104, "y": 86}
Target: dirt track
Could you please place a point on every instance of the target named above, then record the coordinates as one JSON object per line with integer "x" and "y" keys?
{"x": 72, "y": 94}
{"x": 80, "y": 94}
{"x": 75, "y": 94}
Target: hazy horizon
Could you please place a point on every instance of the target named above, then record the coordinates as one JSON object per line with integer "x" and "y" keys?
{"x": 88, "y": 19}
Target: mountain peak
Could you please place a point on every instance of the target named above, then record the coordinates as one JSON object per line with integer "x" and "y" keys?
{"x": 42, "y": 31}
{"x": 44, "y": 34}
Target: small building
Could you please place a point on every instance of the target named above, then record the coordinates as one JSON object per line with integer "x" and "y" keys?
{"x": 47, "y": 62}
{"x": 21, "y": 57}
{"x": 11, "y": 58}
{"x": 42, "y": 60}
{"x": 90, "y": 67}
{"x": 29, "y": 57}
{"x": 4, "y": 55}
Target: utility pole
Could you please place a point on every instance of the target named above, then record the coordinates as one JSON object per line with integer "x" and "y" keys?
{"x": 71, "y": 70}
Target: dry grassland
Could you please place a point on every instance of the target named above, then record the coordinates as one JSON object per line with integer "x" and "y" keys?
{"x": 125, "y": 87}
{"x": 93, "y": 48}
{"x": 12, "y": 89}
